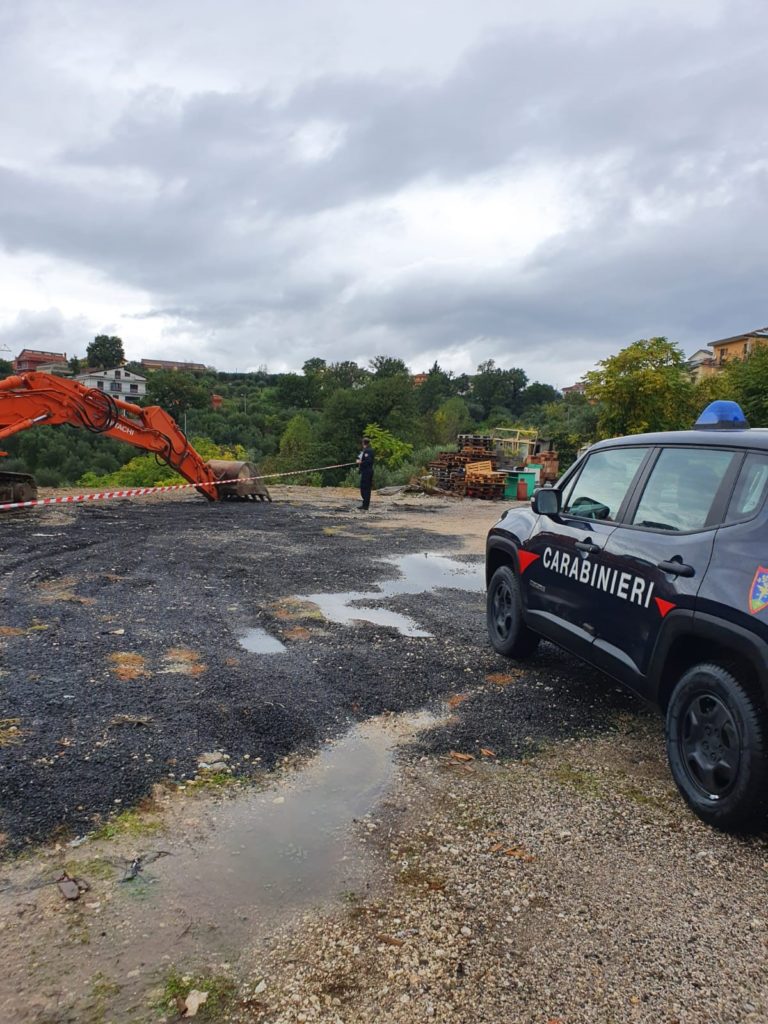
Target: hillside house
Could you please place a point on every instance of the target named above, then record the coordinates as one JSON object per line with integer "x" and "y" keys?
{"x": 33, "y": 359}
{"x": 701, "y": 364}
{"x": 737, "y": 347}
{"x": 118, "y": 382}
{"x": 579, "y": 388}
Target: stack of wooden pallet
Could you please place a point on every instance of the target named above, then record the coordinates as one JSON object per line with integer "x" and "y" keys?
{"x": 472, "y": 470}
{"x": 448, "y": 469}
{"x": 484, "y": 442}
{"x": 482, "y": 481}
{"x": 550, "y": 468}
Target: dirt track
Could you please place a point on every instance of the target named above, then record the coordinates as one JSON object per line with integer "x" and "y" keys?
{"x": 121, "y": 663}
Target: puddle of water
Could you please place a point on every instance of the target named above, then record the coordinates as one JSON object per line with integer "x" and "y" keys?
{"x": 289, "y": 847}
{"x": 258, "y": 641}
{"x": 353, "y": 606}
{"x": 239, "y": 869}
{"x": 420, "y": 573}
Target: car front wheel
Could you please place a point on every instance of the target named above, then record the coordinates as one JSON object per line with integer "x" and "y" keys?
{"x": 717, "y": 744}
{"x": 507, "y": 631}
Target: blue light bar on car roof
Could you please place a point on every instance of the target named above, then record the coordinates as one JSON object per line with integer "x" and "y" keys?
{"x": 722, "y": 415}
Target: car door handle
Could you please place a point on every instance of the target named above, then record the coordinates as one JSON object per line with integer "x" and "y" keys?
{"x": 587, "y": 545}
{"x": 676, "y": 567}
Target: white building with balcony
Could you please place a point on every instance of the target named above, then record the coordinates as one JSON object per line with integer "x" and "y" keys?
{"x": 119, "y": 382}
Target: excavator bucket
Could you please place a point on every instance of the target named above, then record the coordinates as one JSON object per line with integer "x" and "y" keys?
{"x": 240, "y": 483}
{"x": 17, "y": 487}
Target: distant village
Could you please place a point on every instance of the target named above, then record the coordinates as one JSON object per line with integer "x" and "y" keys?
{"x": 117, "y": 380}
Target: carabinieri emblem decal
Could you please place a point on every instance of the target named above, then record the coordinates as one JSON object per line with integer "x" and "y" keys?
{"x": 758, "y": 594}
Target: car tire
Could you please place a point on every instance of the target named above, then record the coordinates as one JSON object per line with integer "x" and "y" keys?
{"x": 717, "y": 744}
{"x": 507, "y": 631}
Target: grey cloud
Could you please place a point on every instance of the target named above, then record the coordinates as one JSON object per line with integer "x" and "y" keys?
{"x": 604, "y": 287}
{"x": 658, "y": 100}
{"x": 218, "y": 231}
{"x": 48, "y": 329}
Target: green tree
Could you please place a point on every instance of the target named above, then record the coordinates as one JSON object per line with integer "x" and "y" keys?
{"x": 6, "y": 368}
{"x": 451, "y": 419}
{"x": 388, "y": 366}
{"x": 538, "y": 394}
{"x": 297, "y": 444}
{"x": 645, "y": 387}
{"x": 341, "y": 425}
{"x": 105, "y": 352}
{"x": 346, "y": 374}
{"x": 314, "y": 367}
{"x": 294, "y": 391}
{"x": 569, "y": 423}
{"x": 435, "y": 389}
{"x": 747, "y": 382}
{"x": 176, "y": 392}
{"x": 493, "y": 387}
{"x": 388, "y": 449}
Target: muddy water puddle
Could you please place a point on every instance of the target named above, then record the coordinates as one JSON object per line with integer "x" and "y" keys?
{"x": 236, "y": 870}
{"x": 259, "y": 641}
{"x": 419, "y": 574}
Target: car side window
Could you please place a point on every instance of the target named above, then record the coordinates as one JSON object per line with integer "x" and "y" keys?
{"x": 603, "y": 483}
{"x": 751, "y": 488}
{"x": 681, "y": 489}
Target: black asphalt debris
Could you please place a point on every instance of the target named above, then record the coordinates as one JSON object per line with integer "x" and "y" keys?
{"x": 119, "y": 653}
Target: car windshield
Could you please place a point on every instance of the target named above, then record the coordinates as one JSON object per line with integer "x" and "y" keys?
{"x": 602, "y": 485}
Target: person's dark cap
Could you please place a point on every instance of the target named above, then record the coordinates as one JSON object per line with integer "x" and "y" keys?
{"x": 366, "y": 440}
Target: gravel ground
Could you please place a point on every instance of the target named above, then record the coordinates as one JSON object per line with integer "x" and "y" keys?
{"x": 532, "y": 862}
{"x": 120, "y": 660}
{"x": 569, "y": 888}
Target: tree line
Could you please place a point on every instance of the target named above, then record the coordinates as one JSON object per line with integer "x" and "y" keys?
{"x": 314, "y": 418}
{"x": 289, "y": 421}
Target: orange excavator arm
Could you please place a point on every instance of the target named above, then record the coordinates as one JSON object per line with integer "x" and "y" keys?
{"x": 33, "y": 399}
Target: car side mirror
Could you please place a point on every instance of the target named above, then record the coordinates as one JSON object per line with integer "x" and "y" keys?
{"x": 546, "y": 501}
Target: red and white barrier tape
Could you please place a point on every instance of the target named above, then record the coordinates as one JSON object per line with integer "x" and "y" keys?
{"x": 71, "y": 499}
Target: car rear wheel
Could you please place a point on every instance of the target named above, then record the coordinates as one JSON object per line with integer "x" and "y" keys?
{"x": 717, "y": 744}
{"x": 507, "y": 631}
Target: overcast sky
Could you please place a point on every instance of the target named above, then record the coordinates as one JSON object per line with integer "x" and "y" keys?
{"x": 253, "y": 182}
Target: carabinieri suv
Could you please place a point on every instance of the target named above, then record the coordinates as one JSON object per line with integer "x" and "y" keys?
{"x": 649, "y": 560}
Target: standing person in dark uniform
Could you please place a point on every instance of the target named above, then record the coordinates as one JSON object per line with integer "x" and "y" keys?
{"x": 365, "y": 468}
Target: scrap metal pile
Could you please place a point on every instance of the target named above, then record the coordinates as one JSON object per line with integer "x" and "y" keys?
{"x": 490, "y": 467}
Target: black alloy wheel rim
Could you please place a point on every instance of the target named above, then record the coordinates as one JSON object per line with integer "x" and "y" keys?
{"x": 502, "y": 610}
{"x": 710, "y": 745}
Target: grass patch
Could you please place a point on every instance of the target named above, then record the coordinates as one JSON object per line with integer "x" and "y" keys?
{"x": 129, "y": 823}
{"x": 646, "y": 799}
{"x": 291, "y": 609}
{"x": 96, "y": 867}
{"x": 583, "y": 781}
{"x": 418, "y": 878}
{"x": 103, "y": 991}
{"x": 212, "y": 780}
{"x": 221, "y": 990}
{"x": 10, "y": 733}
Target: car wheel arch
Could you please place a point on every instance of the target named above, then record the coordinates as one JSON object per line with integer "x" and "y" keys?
{"x": 690, "y": 648}
{"x": 502, "y": 552}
